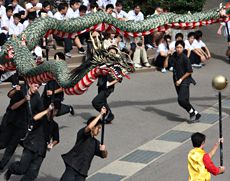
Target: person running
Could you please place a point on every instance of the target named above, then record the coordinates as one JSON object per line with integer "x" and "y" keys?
{"x": 182, "y": 71}
{"x": 79, "y": 158}
{"x": 43, "y": 136}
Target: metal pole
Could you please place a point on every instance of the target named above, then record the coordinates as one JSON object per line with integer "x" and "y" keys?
{"x": 220, "y": 130}
{"x": 47, "y": 50}
{"x": 103, "y": 130}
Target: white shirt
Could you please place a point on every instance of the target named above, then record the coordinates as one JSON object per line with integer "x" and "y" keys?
{"x": 172, "y": 45}
{"x": 198, "y": 44}
{"x": 25, "y": 24}
{"x": 133, "y": 16}
{"x": 59, "y": 16}
{"x": 18, "y": 8}
{"x": 72, "y": 14}
{"x": 104, "y": 3}
{"x": 5, "y": 21}
{"x": 15, "y": 29}
{"x": 50, "y": 14}
{"x": 30, "y": 5}
{"x": 162, "y": 48}
{"x": 121, "y": 14}
{"x": 188, "y": 45}
{"x": 85, "y": 2}
{"x": 2, "y": 10}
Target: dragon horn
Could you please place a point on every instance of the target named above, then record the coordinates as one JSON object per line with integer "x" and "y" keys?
{"x": 99, "y": 42}
{"x": 93, "y": 42}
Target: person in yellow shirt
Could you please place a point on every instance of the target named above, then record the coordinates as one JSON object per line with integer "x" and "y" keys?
{"x": 200, "y": 165}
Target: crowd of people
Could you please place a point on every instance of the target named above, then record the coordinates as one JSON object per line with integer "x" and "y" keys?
{"x": 36, "y": 129}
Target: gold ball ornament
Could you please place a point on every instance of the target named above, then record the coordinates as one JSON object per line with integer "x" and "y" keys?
{"x": 219, "y": 82}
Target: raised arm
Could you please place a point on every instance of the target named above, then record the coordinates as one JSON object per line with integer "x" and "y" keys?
{"x": 94, "y": 122}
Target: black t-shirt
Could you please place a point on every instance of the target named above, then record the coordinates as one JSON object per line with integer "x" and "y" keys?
{"x": 81, "y": 155}
{"x": 181, "y": 66}
{"x": 41, "y": 135}
{"x": 52, "y": 85}
{"x": 102, "y": 84}
{"x": 17, "y": 117}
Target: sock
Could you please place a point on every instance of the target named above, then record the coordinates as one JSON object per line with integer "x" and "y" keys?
{"x": 196, "y": 112}
{"x": 191, "y": 110}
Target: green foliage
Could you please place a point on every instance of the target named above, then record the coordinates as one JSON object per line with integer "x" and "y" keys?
{"x": 177, "y": 6}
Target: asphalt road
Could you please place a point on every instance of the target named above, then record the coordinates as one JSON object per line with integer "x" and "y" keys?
{"x": 145, "y": 107}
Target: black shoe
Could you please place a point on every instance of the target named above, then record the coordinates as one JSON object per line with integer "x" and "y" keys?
{"x": 81, "y": 51}
{"x": 71, "y": 110}
{"x": 192, "y": 116}
{"x": 7, "y": 175}
{"x": 198, "y": 115}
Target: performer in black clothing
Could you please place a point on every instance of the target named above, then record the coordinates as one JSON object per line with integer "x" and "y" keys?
{"x": 106, "y": 85}
{"x": 15, "y": 124}
{"x": 79, "y": 158}
{"x": 182, "y": 71}
{"x": 58, "y": 96}
{"x": 44, "y": 135}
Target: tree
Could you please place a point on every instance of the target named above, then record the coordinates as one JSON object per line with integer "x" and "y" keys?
{"x": 177, "y": 6}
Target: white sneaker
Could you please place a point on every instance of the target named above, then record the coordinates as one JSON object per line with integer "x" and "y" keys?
{"x": 136, "y": 65}
{"x": 68, "y": 55}
{"x": 196, "y": 65}
{"x": 171, "y": 69}
{"x": 149, "y": 46}
{"x": 163, "y": 70}
{"x": 147, "y": 64}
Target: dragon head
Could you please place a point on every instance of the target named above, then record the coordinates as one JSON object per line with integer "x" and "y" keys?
{"x": 117, "y": 63}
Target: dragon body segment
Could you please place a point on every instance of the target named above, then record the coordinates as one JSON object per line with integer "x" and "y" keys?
{"x": 16, "y": 53}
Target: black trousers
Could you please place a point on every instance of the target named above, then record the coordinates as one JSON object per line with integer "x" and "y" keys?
{"x": 64, "y": 110}
{"x": 71, "y": 175}
{"x": 183, "y": 96}
{"x": 9, "y": 139}
{"x": 67, "y": 43}
{"x": 194, "y": 58}
{"x": 101, "y": 100}
{"x": 28, "y": 166}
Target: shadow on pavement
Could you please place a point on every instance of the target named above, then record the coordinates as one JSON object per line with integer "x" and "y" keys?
{"x": 140, "y": 103}
{"x": 170, "y": 116}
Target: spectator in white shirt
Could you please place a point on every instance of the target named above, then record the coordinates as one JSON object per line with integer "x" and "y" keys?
{"x": 16, "y": 27}
{"x": 61, "y": 15}
{"x": 200, "y": 46}
{"x": 103, "y": 3}
{"x": 109, "y": 9}
{"x": 18, "y": 8}
{"x": 136, "y": 14}
{"x": 30, "y": 18}
{"x": 163, "y": 54}
{"x": 179, "y": 36}
{"x": 119, "y": 13}
{"x": 84, "y": 36}
{"x": 92, "y": 7}
{"x": 46, "y": 6}
{"x": 194, "y": 55}
{"x": 73, "y": 10}
{"x": 5, "y": 21}
{"x": 2, "y": 9}
{"x": 34, "y": 6}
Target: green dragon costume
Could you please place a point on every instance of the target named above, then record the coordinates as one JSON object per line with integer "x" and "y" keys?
{"x": 16, "y": 53}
